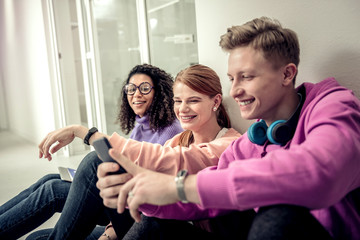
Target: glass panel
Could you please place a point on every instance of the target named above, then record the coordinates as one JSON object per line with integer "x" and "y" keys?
{"x": 116, "y": 30}
{"x": 77, "y": 64}
{"x": 172, "y": 34}
{"x": 89, "y": 67}
{"x": 67, "y": 35}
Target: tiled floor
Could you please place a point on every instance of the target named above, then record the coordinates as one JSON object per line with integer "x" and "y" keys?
{"x": 21, "y": 166}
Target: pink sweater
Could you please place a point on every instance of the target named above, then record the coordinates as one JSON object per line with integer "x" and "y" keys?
{"x": 171, "y": 158}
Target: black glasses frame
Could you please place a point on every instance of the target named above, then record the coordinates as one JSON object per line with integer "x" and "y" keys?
{"x": 143, "y": 84}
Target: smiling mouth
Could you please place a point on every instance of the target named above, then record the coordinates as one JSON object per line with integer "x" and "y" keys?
{"x": 244, "y": 103}
{"x": 138, "y": 103}
{"x": 187, "y": 117}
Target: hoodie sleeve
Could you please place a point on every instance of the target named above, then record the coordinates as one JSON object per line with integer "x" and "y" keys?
{"x": 182, "y": 211}
{"x": 321, "y": 166}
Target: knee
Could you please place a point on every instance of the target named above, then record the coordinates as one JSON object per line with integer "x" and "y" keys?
{"x": 88, "y": 166}
{"x": 273, "y": 222}
{"x": 53, "y": 192}
{"x": 91, "y": 160}
{"x": 56, "y": 187}
{"x": 49, "y": 177}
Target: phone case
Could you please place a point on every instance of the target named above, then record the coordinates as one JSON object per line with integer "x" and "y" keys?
{"x": 102, "y": 147}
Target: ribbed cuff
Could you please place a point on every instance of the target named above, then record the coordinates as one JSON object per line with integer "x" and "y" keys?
{"x": 214, "y": 189}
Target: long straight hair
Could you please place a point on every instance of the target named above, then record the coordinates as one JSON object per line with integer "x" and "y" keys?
{"x": 204, "y": 80}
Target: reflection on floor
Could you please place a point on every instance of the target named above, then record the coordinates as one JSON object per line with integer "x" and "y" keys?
{"x": 21, "y": 166}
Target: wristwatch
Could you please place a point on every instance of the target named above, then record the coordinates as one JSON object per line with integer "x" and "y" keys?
{"x": 179, "y": 180}
{"x": 89, "y": 134}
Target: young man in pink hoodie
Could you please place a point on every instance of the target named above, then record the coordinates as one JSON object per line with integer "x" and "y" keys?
{"x": 298, "y": 167}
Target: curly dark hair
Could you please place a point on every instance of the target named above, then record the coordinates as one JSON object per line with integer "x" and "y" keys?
{"x": 161, "y": 112}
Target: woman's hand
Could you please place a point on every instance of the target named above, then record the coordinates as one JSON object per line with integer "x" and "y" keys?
{"x": 62, "y": 136}
{"x": 144, "y": 187}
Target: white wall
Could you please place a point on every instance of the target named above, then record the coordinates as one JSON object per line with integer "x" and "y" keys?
{"x": 24, "y": 68}
{"x": 328, "y": 32}
{"x": 3, "y": 110}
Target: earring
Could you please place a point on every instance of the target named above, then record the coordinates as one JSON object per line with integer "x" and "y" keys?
{"x": 214, "y": 109}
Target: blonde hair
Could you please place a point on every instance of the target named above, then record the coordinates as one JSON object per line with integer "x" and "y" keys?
{"x": 278, "y": 45}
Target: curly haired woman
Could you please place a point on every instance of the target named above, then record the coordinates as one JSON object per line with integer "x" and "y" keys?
{"x": 145, "y": 110}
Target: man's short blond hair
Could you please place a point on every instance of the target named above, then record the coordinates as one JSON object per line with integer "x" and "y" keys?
{"x": 278, "y": 45}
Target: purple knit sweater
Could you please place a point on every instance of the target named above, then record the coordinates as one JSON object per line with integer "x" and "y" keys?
{"x": 143, "y": 132}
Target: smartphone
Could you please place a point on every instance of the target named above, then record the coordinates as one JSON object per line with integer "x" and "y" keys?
{"x": 102, "y": 147}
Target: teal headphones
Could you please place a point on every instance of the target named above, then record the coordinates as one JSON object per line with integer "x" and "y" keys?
{"x": 279, "y": 132}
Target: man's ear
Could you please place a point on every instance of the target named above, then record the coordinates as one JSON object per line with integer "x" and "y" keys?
{"x": 290, "y": 71}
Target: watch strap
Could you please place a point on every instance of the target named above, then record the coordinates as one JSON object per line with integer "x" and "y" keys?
{"x": 89, "y": 134}
{"x": 179, "y": 180}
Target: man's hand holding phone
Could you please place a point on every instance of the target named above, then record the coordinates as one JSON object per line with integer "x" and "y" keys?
{"x": 111, "y": 176}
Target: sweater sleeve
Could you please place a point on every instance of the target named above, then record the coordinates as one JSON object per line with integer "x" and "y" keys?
{"x": 171, "y": 158}
{"x": 321, "y": 166}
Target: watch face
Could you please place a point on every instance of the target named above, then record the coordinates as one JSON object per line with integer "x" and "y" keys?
{"x": 182, "y": 173}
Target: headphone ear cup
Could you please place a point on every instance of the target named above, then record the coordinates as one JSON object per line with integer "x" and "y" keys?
{"x": 257, "y": 132}
{"x": 277, "y": 131}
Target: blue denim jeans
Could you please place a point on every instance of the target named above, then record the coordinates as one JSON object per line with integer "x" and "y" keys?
{"x": 83, "y": 209}
{"x": 39, "y": 202}
{"x": 33, "y": 206}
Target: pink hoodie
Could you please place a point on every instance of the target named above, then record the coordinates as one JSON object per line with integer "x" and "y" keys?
{"x": 319, "y": 168}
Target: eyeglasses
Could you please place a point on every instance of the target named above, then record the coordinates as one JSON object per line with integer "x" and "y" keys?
{"x": 144, "y": 88}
